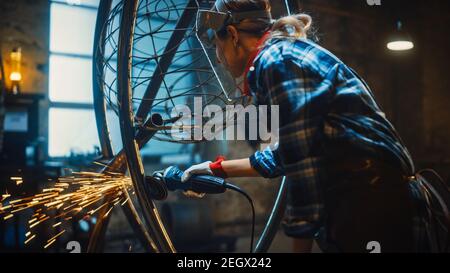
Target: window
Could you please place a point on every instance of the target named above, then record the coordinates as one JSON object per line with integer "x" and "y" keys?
{"x": 72, "y": 125}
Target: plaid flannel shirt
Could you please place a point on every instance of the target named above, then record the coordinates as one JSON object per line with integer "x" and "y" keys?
{"x": 320, "y": 100}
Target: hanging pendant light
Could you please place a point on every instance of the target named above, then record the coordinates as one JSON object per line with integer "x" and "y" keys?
{"x": 400, "y": 40}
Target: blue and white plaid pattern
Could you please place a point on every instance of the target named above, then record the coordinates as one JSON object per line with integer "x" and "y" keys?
{"x": 320, "y": 100}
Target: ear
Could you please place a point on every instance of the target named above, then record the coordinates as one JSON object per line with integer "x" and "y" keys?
{"x": 233, "y": 34}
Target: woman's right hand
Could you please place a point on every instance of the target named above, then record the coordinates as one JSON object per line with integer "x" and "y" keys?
{"x": 202, "y": 168}
{"x": 232, "y": 168}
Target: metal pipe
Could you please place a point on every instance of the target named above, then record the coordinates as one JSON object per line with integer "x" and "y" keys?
{"x": 275, "y": 217}
{"x": 126, "y": 116}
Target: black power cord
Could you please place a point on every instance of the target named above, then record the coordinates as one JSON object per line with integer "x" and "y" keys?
{"x": 170, "y": 179}
{"x": 241, "y": 191}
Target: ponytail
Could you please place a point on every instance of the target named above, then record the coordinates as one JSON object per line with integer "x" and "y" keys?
{"x": 293, "y": 26}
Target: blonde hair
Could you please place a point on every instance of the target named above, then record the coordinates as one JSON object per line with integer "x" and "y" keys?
{"x": 293, "y": 26}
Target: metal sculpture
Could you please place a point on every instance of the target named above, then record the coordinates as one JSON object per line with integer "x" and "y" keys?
{"x": 146, "y": 61}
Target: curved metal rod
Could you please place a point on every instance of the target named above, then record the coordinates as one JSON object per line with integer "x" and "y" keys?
{"x": 97, "y": 87}
{"x": 97, "y": 236}
{"x": 118, "y": 164}
{"x": 126, "y": 116}
{"x": 275, "y": 217}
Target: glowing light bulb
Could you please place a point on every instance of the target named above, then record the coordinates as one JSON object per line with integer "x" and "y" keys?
{"x": 15, "y": 76}
{"x": 400, "y": 45}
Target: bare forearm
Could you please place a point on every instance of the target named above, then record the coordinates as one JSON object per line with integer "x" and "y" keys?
{"x": 239, "y": 168}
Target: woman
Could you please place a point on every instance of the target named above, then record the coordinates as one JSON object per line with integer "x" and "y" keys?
{"x": 347, "y": 168}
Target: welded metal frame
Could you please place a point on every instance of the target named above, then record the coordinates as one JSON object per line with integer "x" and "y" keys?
{"x": 155, "y": 239}
{"x": 163, "y": 65}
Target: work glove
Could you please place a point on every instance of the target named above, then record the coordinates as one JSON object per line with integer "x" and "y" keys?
{"x": 202, "y": 168}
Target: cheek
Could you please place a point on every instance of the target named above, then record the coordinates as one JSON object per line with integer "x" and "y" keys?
{"x": 227, "y": 56}
{"x": 219, "y": 55}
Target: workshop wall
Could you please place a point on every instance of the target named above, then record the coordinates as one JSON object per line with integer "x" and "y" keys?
{"x": 435, "y": 41}
{"x": 25, "y": 23}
